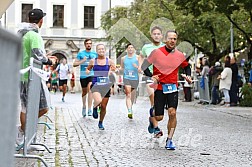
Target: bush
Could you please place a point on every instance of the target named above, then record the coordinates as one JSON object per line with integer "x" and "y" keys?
{"x": 246, "y": 98}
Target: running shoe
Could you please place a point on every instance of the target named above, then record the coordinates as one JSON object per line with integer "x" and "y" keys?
{"x": 20, "y": 136}
{"x": 157, "y": 132}
{"x": 169, "y": 145}
{"x": 100, "y": 125}
{"x": 63, "y": 100}
{"x": 151, "y": 126}
{"x": 84, "y": 112}
{"x": 89, "y": 112}
{"x": 98, "y": 109}
{"x": 130, "y": 114}
{"x": 95, "y": 113}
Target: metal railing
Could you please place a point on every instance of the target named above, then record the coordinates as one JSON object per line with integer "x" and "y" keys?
{"x": 10, "y": 47}
{"x": 204, "y": 94}
{"x": 34, "y": 88}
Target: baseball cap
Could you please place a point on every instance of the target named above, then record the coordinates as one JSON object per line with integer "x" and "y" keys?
{"x": 36, "y": 14}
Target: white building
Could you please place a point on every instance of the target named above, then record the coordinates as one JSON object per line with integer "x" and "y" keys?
{"x": 67, "y": 23}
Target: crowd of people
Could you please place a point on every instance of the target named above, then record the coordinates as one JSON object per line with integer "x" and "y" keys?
{"x": 158, "y": 62}
{"x": 224, "y": 80}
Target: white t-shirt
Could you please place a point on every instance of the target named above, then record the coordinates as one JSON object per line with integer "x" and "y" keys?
{"x": 63, "y": 71}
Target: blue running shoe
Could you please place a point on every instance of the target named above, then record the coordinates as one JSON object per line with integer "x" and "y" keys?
{"x": 169, "y": 145}
{"x": 83, "y": 112}
{"x": 89, "y": 112}
{"x": 101, "y": 127}
{"x": 63, "y": 100}
{"x": 157, "y": 132}
{"x": 95, "y": 113}
{"x": 151, "y": 126}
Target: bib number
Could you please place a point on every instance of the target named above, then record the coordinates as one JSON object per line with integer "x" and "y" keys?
{"x": 130, "y": 73}
{"x": 102, "y": 80}
{"x": 169, "y": 88}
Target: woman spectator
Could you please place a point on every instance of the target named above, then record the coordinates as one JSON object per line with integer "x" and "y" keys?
{"x": 225, "y": 82}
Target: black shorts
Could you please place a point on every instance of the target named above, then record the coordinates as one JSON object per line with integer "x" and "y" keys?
{"x": 84, "y": 81}
{"x": 164, "y": 101}
{"x": 62, "y": 82}
{"x": 132, "y": 83}
{"x": 103, "y": 90}
{"x": 48, "y": 81}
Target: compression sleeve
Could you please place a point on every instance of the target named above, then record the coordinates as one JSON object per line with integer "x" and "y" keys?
{"x": 145, "y": 68}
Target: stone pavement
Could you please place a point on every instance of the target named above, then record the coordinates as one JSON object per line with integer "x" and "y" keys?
{"x": 205, "y": 136}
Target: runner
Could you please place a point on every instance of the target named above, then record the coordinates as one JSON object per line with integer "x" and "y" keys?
{"x": 63, "y": 71}
{"x": 166, "y": 62}
{"x": 129, "y": 66}
{"x": 156, "y": 36}
{"x": 100, "y": 86}
{"x": 83, "y": 59}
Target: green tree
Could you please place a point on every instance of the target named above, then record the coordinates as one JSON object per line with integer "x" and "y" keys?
{"x": 225, "y": 12}
{"x": 203, "y": 23}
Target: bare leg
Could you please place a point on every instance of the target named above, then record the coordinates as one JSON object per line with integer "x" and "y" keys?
{"x": 172, "y": 123}
{"x": 90, "y": 96}
{"x": 84, "y": 93}
{"x": 97, "y": 99}
{"x": 128, "y": 97}
{"x": 103, "y": 108}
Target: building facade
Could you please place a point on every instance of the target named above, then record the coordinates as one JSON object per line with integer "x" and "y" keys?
{"x": 66, "y": 25}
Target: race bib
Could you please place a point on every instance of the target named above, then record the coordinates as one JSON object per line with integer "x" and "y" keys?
{"x": 130, "y": 73}
{"x": 102, "y": 80}
{"x": 169, "y": 88}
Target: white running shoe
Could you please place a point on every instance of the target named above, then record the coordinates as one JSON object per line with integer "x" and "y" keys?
{"x": 20, "y": 136}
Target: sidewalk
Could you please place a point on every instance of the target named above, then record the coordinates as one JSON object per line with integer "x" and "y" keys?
{"x": 245, "y": 112}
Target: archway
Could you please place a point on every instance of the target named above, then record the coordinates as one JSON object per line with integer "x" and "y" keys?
{"x": 59, "y": 55}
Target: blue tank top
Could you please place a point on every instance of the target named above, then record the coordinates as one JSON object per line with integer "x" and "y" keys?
{"x": 130, "y": 72}
{"x": 101, "y": 73}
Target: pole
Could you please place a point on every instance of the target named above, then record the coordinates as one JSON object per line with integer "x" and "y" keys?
{"x": 231, "y": 39}
{"x": 195, "y": 64}
{"x": 111, "y": 26}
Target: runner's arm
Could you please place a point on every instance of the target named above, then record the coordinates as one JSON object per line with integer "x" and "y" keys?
{"x": 79, "y": 62}
{"x": 112, "y": 65}
{"x": 145, "y": 68}
{"x": 122, "y": 65}
{"x": 90, "y": 66}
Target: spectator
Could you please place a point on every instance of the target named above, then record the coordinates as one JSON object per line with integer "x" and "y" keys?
{"x": 225, "y": 82}
{"x": 204, "y": 75}
{"x": 250, "y": 77}
{"x": 214, "y": 72}
{"x": 33, "y": 46}
{"x": 187, "y": 87}
{"x": 233, "y": 93}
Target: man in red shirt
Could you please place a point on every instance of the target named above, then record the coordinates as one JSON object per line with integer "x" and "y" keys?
{"x": 166, "y": 62}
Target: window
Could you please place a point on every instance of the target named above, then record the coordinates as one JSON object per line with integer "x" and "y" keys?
{"x": 25, "y": 10}
{"x": 58, "y": 15}
{"x": 89, "y": 12}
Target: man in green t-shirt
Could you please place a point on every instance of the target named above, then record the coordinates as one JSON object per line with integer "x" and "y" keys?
{"x": 156, "y": 36}
{"x": 33, "y": 46}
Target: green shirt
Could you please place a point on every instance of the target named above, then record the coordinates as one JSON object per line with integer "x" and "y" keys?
{"x": 147, "y": 49}
{"x": 30, "y": 41}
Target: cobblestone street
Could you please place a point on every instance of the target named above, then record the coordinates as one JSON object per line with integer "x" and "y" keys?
{"x": 205, "y": 136}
